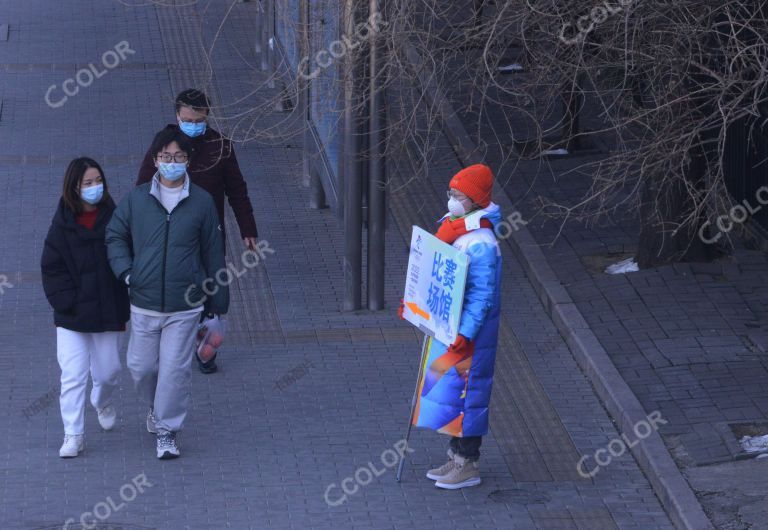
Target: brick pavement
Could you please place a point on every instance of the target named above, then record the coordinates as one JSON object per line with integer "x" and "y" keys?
{"x": 258, "y": 453}
{"x": 689, "y": 339}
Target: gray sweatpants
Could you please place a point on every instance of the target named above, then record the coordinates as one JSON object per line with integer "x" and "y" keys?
{"x": 159, "y": 358}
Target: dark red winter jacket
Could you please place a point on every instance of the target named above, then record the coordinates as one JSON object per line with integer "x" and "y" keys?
{"x": 213, "y": 166}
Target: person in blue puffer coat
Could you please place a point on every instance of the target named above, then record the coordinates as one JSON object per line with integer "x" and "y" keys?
{"x": 455, "y": 391}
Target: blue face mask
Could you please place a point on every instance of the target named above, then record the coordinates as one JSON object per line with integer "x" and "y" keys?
{"x": 92, "y": 194}
{"x": 172, "y": 170}
{"x": 192, "y": 129}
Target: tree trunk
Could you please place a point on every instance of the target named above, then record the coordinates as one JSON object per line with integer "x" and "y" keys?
{"x": 666, "y": 202}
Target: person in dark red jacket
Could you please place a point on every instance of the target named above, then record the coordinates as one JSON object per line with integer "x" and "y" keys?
{"x": 213, "y": 166}
{"x": 90, "y": 306}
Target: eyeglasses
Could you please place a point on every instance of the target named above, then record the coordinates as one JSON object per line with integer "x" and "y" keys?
{"x": 178, "y": 157}
{"x": 453, "y": 195}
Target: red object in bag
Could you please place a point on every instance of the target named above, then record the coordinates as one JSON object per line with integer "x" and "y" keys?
{"x": 211, "y": 337}
{"x": 215, "y": 340}
{"x": 206, "y": 352}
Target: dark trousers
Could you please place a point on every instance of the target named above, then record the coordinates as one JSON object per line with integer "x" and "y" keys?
{"x": 467, "y": 447}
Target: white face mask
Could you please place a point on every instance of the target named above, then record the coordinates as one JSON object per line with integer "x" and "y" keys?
{"x": 456, "y": 207}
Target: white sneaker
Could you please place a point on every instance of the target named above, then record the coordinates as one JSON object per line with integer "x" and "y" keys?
{"x": 107, "y": 417}
{"x": 73, "y": 445}
{"x": 151, "y": 422}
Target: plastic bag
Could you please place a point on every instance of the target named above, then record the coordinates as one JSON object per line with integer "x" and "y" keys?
{"x": 210, "y": 337}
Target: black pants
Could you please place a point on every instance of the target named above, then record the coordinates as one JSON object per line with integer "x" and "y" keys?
{"x": 468, "y": 447}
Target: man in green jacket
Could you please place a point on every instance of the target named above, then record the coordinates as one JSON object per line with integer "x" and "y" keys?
{"x": 164, "y": 241}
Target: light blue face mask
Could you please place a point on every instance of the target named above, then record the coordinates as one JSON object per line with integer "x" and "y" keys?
{"x": 172, "y": 170}
{"x": 92, "y": 194}
{"x": 192, "y": 129}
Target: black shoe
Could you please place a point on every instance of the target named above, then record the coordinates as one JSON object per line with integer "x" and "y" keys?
{"x": 207, "y": 367}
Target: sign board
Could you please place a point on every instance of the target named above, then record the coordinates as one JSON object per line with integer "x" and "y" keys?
{"x": 434, "y": 287}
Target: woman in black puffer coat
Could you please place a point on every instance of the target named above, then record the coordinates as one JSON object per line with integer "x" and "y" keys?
{"x": 90, "y": 305}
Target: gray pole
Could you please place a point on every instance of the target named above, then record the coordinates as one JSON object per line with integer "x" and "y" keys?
{"x": 377, "y": 169}
{"x": 270, "y": 52}
{"x": 353, "y": 229}
{"x": 310, "y": 176}
{"x": 415, "y": 398}
{"x": 259, "y": 23}
{"x": 266, "y": 32}
{"x": 303, "y": 87}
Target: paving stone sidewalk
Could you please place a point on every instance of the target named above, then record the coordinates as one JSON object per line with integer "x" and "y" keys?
{"x": 307, "y": 395}
{"x": 691, "y": 340}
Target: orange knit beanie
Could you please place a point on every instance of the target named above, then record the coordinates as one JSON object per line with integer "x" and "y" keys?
{"x": 476, "y": 182}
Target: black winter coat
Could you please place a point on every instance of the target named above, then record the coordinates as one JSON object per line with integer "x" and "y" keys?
{"x": 77, "y": 278}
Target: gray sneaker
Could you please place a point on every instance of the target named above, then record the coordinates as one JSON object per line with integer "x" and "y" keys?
{"x": 151, "y": 422}
{"x": 166, "y": 446}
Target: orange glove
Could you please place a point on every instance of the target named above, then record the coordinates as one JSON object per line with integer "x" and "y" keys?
{"x": 401, "y": 309}
{"x": 460, "y": 345}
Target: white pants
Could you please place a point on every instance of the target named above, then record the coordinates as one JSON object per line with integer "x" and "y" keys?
{"x": 160, "y": 359}
{"x": 79, "y": 353}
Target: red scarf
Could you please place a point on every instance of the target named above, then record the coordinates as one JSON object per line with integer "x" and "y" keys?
{"x": 450, "y": 231}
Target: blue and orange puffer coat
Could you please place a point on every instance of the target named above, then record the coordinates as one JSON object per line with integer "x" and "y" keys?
{"x": 455, "y": 390}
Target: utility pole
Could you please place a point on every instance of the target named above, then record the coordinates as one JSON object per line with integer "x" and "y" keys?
{"x": 353, "y": 207}
{"x": 377, "y": 164}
